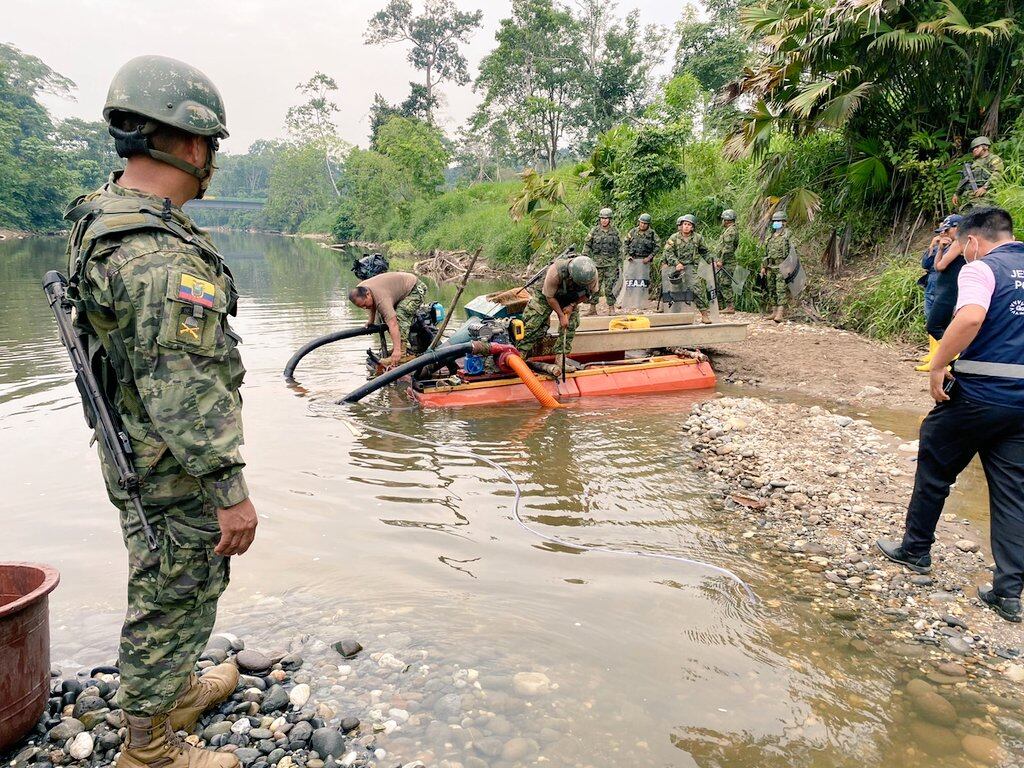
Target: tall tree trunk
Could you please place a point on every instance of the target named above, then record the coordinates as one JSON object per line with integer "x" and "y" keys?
{"x": 430, "y": 93}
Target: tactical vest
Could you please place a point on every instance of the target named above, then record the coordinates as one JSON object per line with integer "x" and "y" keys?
{"x": 991, "y": 369}
{"x": 100, "y": 220}
{"x": 641, "y": 244}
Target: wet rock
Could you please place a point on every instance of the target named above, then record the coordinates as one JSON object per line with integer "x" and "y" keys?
{"x": 105, "y": 669}
{"x": 242, "y": 726}
{"x": 275, "y": 699}
{"x": 216, "y": 729}
{"x": 349, "y": 724}
{"x": 87, "y": 703}
{"x": 82, "y": 746}
{"x": 957, "y": 645}
{"x": 299, "y": 695}
{"x": 253, "y": 661}
{"x": 248, "y": 756}
{"x": 531, "y": 683}
{"x": 328, "y": 741}
{"x": 301, "y": 732}
{"x": 348, "y": 648}
{"x": 291, "y": 662}
{"x": 983, "y": 749}
{"x": 934, "y": 739}
{"x": 449, "y": 705}
{"x": 68, "y": 728}
{"x": 952, "y": 669}
{"x": 519, "y": 749}
{"x": 934, "y": 708}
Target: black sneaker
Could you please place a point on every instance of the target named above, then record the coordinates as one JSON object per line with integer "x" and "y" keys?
{"x": 896, "y": 553}
{"x": 1007, "y": 607}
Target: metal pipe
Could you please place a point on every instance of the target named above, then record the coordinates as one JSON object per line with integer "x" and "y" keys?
{"x": 347, "y": 333}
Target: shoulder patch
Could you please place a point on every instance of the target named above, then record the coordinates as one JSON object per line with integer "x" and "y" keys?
{"x": 196, "y": 290}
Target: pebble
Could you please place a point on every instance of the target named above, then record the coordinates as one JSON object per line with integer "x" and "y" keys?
{"x": 253, "y": 661}
{"x": 966, "y": 545}
{"x": 531, "y": 683}
{"x": 68, "y": 728}
{"x": 348, "y": 648}
{"x": 299, "y": 695}
{"x": 327, "y": 741}
{"x": 983, "y": 749}
{"x": 935, "y": 709}
{"x": 82, "y": 746}
{"x": 276, "y": 698}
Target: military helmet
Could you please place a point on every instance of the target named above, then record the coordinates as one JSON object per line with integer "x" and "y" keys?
{"x": 582, "y": 270}
{"x": 779, "y": 215}
{"x": 645, "y": 218}
{"x": 170, "y": 92}
{"x": 729, "y": 214}
{"x": 687, "y": 217}
{"x": 606, "y": 213}
{"x": 981, "y": 141}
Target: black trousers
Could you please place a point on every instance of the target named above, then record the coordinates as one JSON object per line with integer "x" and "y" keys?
{"x": 951, "y": 435}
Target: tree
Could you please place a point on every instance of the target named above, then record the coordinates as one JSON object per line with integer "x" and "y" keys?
{"x": 375, "y": 190}
{"x": 533, "y": 79}
{"x": 714, "y": 51}
{"x": 434, "y": 37}
{"x": 418, "y": 149}
{"x": 313, "y": 122}
{"x": 297, "y": 188}
{"x": 89, "y": 149}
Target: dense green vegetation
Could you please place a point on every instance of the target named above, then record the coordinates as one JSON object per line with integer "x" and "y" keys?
{"x": 852, "y": 117}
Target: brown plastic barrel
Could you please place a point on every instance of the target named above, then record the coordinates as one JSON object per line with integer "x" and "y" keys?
{"x": 24, "y": 646}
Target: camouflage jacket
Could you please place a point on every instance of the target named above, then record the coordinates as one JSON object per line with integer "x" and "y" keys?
{"x": 776, "y": 248}
{"x": 684, "y": 250}
{"x": 728, "y": 242}
{"x": 603, "y": 245}
{"x": 152, "y": 297}
{"x": 987, "y": 173}
{"x": 640, "y": 245}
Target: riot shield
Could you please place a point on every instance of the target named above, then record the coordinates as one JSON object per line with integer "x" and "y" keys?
{"x": 636, "y": 281}
{"x": 706, "y": 274}
{"x": 739, "y": 280}
{"x": 793, "y": 274}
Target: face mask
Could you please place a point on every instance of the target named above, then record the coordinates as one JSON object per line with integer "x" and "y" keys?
{"x": 976, "y": 250}
{"x": 776, "y": 225}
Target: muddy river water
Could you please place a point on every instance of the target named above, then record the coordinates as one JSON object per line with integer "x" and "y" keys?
{"x": 413, "y": 551}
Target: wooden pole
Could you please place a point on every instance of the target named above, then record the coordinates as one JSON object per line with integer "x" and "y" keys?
{"x": 455, "y": 301}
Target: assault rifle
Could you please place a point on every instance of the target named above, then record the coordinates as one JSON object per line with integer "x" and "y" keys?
{"x": 98, "y": 414}
{"x": 969, "y": 177}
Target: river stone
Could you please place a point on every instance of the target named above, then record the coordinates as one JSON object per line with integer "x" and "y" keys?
{"x": 242, "y": 726}
{"x": 348, "y": 648}
{"x": 247, "y": 756}
{"x": 518, "y": 749}
{"x": 449, "y": 705}
{"x": 349, "y": 724}
{"x": 1014, "y": 673}
{"x": 299, "y": 695}
{"x": 934, "y": 739}
{"x": 216, "y": 729}
{"x": 82, "y": 746}
{"x": 68, "y": 728}
{"x": 984, "y": 750}
{"x": 109, "y": 740}
{"x": 952, "y": 669}
{"x": 300, "y": 732}
{"x": 328, "y": 741}
{"x": 253, "y": 661}
{"x": 530, "y": 683}
{"x": 291, "y": 662}
{"x": 935, "y": 709}
{"x": 275, "y": 699}
{"x": 845, "y": 614}
{"x": 216, "y": 655}
{"x": 966, "y": 545}
{"x": 87, "y": 703}
{"x": 940, "y": 679}
{"x": 957, "y": 645}
{"x": 91, "y": 719}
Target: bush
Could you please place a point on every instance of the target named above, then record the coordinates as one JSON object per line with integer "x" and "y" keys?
{"x": 890, "y": 305}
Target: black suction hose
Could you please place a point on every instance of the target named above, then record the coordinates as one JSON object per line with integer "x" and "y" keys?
{"x": 347, "y": 333}
{"x": 434, "y": 357}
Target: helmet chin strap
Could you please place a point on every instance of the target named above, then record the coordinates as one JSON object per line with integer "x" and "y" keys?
{"x": 138, "y": 141}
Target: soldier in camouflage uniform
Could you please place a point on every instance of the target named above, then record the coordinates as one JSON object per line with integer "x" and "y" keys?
{"x": 566, "y": 283}
{"x": 777, "y": 248}
{"x": 679, "y": 284}
{"x": 725, "y": 260}
{"x": 987, "y": 169}
{"x": 152, "y": 297}
{"x": 639, "y": 248}
{"x": 604, "y": 246}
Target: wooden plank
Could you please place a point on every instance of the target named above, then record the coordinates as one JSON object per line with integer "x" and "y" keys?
{"x": 661, "y": 337}
{"x": 600, "y": 322}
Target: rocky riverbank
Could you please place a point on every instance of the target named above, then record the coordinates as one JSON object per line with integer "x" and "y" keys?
{"x": 809, "y": 492}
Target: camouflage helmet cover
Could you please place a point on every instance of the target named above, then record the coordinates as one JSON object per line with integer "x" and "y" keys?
{"x": 729, "y": 214}
{"x": 689, "y": 217}
{"x": 168, "y": 91}
{"x": 645, "y": 218}
{"x": 779, "y": 216}
{"x": 582, "y": 270}
{"x": 981, "y": 141}
{"x": 606, "y": 213}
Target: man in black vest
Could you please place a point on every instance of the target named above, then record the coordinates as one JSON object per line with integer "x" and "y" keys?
{"x": 979, "y": 408}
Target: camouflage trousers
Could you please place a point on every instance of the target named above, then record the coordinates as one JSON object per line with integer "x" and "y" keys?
{"x": 608, "y": 270}
{"x": 405, "y": 313}
{"x": 776, "y": 292}
{"x": 723, "y": 280}
{"x": 172, "y": 593}
{"x": 536, "y": 319}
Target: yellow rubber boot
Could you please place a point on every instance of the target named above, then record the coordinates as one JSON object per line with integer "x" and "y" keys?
{"x": 204, "y": 692}
{"x": 926, "y": 361}
{"x": 150, "y": 743}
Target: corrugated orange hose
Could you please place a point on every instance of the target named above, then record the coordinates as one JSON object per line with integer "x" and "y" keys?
{"x": 522, "y": 370}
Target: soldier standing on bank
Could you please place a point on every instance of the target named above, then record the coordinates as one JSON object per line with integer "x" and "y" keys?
{"x": 604, "y": 246}
{"x": 979, "y": 176}
{"x": 640, "y": 245}
{"x": 725, "y": 260}
{"x": 777, "y": 248}
{"x": 152, "y": 297}
{"x": 679, "y": 284}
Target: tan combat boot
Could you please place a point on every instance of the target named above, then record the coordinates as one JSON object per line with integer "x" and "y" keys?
{"x": 705, "y": 317}
{"x": 778, "y": 316}
{"x": 150, "y": 743}
{"x": 602, "y": 306}
{"x": 730, "y": 310}
{"x": 211, "y": 689}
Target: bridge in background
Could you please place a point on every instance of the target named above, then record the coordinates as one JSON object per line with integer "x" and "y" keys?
{"x": 224, "y": 204}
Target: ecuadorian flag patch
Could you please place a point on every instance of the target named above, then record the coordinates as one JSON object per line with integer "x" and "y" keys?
{"x": 196, "y": 291}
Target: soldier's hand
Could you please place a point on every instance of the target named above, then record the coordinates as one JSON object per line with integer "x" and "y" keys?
{"x": 237, "y": 528}
{"x": 956, "y": 200}
{"x": 563, "y": 321}
{"x": 980, "y": 191}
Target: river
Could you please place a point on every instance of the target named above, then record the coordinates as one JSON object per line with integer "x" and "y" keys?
{"x": 414, "y": 552}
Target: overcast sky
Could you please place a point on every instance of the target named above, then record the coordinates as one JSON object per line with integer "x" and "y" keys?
{"x": 256, "y": 51}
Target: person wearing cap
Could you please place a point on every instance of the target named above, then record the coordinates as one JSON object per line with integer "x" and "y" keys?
{"x": 948, "y": 266}
{"x": 777, "y": 248}
{"x": 945, "y": 236}
{"x": 979, "y": 176}
{"x": 683, "y": 249}
{"x": 979, "y": 409}
{"x": 567, "y": 283}
{"x": 725, "y": 260}
{"x": 604, "y": 246}
{"x": 153, "y": 297}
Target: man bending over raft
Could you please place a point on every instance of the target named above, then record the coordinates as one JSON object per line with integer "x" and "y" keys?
{"x": 396, "y": 297}
{"x": 566, "y": 283}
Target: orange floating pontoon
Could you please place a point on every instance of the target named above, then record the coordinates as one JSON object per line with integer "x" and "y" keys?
{"x": 665, "y": 373}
